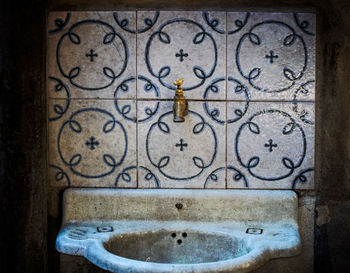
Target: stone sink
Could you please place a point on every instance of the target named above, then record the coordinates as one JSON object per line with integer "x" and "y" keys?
{"x": 163, "y": 230}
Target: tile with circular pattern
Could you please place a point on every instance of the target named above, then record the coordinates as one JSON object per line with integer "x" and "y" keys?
{"x": 271, "y": 147}
{"x": 91, "y": 144}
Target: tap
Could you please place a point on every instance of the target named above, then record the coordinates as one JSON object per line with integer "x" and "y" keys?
{"x": 180, "y": 107}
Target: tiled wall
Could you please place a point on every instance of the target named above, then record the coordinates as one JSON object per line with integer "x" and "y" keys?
{"x": 249, "y": 79}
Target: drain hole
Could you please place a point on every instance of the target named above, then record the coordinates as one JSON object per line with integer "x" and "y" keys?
{"x": 105, "y": 229}
{"x": 178, "y": 205}
{"x": 173, "y": 234}
{"x": 184, "y": 234}
{"x": 179, "y": 241}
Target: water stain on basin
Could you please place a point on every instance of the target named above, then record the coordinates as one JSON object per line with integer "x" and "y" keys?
{"x": 176, "y": 247}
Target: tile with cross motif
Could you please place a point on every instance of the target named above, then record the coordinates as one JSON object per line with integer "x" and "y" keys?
{"x": 89, "y": 54}
{"x": 271, "y": 146}
{"x": 182, "y": 44}
{"x": 181, "y": 154}
{"x": 272, "y": 54}
{"x": 91, "y": 143}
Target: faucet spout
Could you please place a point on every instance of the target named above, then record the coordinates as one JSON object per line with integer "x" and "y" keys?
{"x": 180, "y": 106}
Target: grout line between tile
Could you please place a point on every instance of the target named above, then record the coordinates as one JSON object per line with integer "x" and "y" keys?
{"x": 226, "y": 102}
{"x": 200, "y": 100}
{"x": 136, "y": 104}
{"x": 197, "y": 188}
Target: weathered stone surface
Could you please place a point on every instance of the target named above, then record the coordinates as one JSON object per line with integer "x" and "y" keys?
{"x": 108, "y": 225}
{"x": 302, "y": 263}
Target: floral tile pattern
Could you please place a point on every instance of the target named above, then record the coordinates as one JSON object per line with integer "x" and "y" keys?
{"x": 271, "y": 147}
{"x": 181, "y": 155}
{"x": 249, "y": 80}
{"x": 91, "y": 144}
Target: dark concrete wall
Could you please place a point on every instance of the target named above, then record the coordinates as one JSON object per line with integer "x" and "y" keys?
{"x": 23, "y": 225}
{"x": 332, "y": 235}
{"x": 30, "y": 209}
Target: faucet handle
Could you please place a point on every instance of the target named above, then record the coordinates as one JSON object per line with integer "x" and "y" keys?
{"x": 178, "y": 83}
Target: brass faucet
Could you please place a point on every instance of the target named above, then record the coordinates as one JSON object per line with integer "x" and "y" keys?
{"x": 180, "y": 107}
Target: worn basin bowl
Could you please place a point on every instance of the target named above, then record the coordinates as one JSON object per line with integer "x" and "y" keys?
{"x": 179, "y": 231}
{"x": 176, "y": 247}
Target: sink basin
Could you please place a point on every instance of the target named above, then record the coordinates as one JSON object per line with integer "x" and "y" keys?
{"x": 176, "y": 247}
{"x": 153, "y": 230}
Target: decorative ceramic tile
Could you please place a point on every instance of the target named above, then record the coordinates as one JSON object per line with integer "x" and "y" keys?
{"x": 272, "y": 146}
{"x": 181, "y": 44}
{"x": 180, "y": 155}
{"x": 94, "y": 55}
{"x": 90, "y": 54}
{"x": 273, "y": 54}
{"x": 91, "y": 144}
